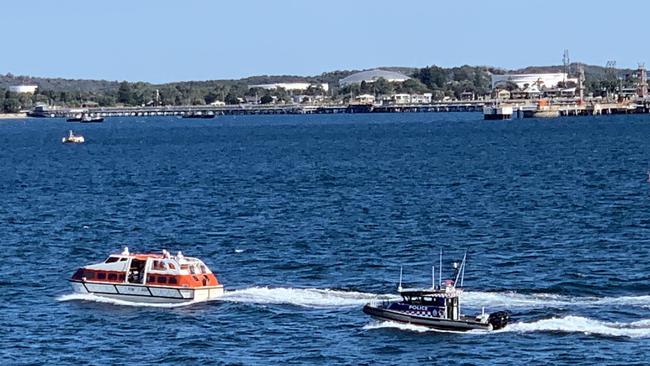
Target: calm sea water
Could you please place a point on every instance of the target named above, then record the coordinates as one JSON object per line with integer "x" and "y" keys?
{"x": 306, "y": 218}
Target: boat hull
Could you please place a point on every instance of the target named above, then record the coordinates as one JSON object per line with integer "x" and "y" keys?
{"x": 205, "y": 116}
{"x": 463, "y": 325}
{"x": 77, "y": 140}
{"x": 147, "y": 294}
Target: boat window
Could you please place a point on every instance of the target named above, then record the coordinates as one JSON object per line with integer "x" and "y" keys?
{"x": 123, "y": 259}
{"x": 192, "y": 270}
{"x": 428, "y": 300}
{"x": 158, "y": 266}
{"x": 184, "y": 267}
{"x": 151, "y": 278}
{"x": 122, "y": 277}
{"x": 172, "y": 266}
{"x": 203, "y": 269}
{"x": 172, "y": 280}
{"x": 162, "y": 279}
{"x": 101, "y": 275}
{"x": 89, "y": 275}
{"x": 112, "y": 276}
{"x": 111, "y": 259}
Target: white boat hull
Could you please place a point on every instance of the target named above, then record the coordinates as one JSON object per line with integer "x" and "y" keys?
{"x": 147, "y": 294}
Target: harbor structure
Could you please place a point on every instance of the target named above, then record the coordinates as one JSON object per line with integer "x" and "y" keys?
{"x": 532, "y": 96}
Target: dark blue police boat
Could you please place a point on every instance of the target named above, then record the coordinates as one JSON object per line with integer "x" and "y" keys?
{"x": 437, "y": 307}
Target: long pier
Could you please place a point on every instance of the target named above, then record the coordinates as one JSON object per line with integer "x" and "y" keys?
{"x": 514, "y": 109}
{"x": 253, "y": 109}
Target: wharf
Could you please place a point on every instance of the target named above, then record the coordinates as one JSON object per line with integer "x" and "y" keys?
{"x": 254, "y": 109}
{"x": 542, "y": 109}
{"x": 492, "y": 109}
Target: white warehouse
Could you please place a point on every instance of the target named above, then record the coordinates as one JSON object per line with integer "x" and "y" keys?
{"x": 290, "y": 86}
{"x": 547, "y": 80}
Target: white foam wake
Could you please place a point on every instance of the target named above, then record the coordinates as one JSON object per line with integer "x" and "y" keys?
{"x": 328, "y": 298}
{"x": 495, "y": 300}
{"x": 306, "y": 297}
{"x": 578, "y": 324}
{"x": 315, "y": 297}
{"x": 567, "y": 324}
{"x": 404, "y": 326}
{"x": 106, "y": 300}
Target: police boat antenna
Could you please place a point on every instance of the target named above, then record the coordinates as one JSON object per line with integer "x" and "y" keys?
{"x": 462, "y": 276}
{"x": 433, "y": 277}
{"x": 440, "y": 271}
{"x": 399, "y": 287}
{"x": 460, "y": 271}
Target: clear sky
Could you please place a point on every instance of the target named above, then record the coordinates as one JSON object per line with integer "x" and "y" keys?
{"x": 161, "y": 40}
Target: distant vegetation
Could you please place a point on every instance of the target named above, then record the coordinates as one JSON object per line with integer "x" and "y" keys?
{"x": 441, "y": 82}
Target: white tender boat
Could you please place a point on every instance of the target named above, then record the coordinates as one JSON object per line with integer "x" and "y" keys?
{"x": 151, "y": 278}
{"x": 73, "y": 139}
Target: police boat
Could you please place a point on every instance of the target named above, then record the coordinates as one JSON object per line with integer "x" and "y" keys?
{"x": 437, "y": 307}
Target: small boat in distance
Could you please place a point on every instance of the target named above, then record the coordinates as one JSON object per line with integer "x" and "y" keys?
{"x": 148, "y": 277}
{"x": 205, "y": 115}
{"x": 73, "y": 139}
{"x": 437, "y": 307}
{"x": 85, "y": 118}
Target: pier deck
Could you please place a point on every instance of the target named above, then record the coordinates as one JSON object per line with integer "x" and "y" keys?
{"x": 518, "y": 109}
{"x": 253, "y": 109}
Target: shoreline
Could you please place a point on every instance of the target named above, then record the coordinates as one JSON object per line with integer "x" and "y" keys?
{"x": 13, "y": 115}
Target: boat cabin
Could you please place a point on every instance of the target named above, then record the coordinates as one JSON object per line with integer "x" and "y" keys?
{"x": 159, "y": 269}
{"x": 443, "y": 302}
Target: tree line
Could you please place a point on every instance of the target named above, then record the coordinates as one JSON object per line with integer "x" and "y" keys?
{"x": 441, "y": 82}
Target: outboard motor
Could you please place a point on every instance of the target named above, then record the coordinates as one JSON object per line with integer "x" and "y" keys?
{"x": 499, "y": 319}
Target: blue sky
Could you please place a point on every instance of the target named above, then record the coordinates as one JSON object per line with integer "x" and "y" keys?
{"x": 160, "y": 41}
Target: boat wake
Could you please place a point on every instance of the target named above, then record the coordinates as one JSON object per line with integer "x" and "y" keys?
{"x": 567, "y": 324}
{"x": 106, "y": 300}
{"x": 408, "y": 327}
{"x": 329, "y": 298}
{"x": 578, "y": 324}
{"x": 515, "y": 300}
{"x": 315, "y": 297}
{"x": 306, "y": 297}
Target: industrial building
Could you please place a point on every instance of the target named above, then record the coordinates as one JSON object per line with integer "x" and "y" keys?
{"x": 370, "y": 76}
{"x": 523, "y": 81}
{"x": 291, "y": 86}
{"x": 403, "y": 98}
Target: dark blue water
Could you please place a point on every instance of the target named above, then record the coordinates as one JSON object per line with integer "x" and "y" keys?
{"x": 306, "y": 218}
